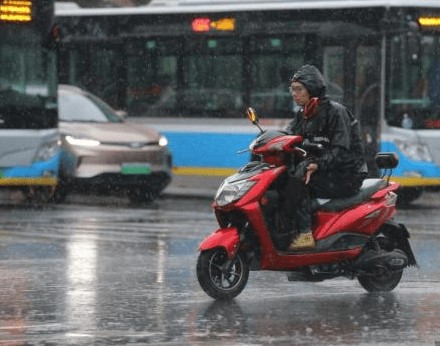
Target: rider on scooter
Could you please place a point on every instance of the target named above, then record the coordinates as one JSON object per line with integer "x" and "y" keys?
{"x": 336, "y": 173}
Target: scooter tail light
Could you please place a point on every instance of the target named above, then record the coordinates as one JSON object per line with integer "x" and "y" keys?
{"x": 390, "y": 199}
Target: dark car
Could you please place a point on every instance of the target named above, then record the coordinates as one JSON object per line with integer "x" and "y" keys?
{"x": 103, "y": 153}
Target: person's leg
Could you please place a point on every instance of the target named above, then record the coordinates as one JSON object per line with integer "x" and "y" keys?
{"x": 304, "y": 239}
{"x": 321, "y": 185}
{"x": 290, "y": 203}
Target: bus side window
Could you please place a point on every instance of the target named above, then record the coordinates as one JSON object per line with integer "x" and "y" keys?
{"x": 434, "y": 83}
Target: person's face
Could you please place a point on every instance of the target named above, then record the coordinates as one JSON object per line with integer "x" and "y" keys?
{"x": 299, "y": 93}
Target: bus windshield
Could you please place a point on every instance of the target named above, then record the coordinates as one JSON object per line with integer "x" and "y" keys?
{"x": 414, "y": 82}
{"x": 27, "y": 81}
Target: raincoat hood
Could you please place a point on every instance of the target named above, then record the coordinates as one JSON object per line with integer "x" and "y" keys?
{"x": 312, "y": 79}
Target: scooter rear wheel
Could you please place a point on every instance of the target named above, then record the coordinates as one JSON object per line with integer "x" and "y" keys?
{"x": 384, "y": 282}
{"x": 220, "y": 279}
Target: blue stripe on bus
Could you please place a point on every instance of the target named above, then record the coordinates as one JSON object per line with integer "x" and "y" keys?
{"x": 219, "y": 150}
{"x": 407, "y": 166}
{"x": 209, "y": 149}
{"x": 37, "y": 169}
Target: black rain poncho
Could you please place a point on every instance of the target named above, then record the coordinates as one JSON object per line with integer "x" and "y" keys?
{"x": 334, "y": 126}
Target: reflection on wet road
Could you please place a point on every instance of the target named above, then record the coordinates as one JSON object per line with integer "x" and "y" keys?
{"x": 114, "y": 274}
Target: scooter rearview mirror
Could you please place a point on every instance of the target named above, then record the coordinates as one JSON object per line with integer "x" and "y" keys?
{"x": 252, "y": 115}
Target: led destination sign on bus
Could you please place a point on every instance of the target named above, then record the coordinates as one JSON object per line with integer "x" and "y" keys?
{"x": 205, "y": 24}
{"x": 429, "y": 21}
{"x": 15, "y": 10}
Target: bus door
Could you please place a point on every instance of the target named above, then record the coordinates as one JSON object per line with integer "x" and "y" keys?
{"x": 95, "y": 67}
{"x": 352, "y": 72}
{"x": 367, "y": 101}
{"x": 151, "y": 76}
{"x": 212, "y": 72}
{"x": 273, "y": 60}
{"x": 335, "y": 70}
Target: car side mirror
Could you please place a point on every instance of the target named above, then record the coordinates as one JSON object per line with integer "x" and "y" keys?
{"x": 121, "y": 114}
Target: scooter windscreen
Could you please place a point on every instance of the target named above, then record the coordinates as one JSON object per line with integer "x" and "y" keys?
{"x": 264, "y": 138}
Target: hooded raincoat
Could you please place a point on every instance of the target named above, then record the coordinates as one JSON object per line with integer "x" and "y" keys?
{"x": 336, "y": 128}
{"x": 341, "y": 167}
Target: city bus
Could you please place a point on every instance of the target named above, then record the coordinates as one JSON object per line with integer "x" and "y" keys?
{"x": 28, "y": 99}
{"x": 191, "y": 67}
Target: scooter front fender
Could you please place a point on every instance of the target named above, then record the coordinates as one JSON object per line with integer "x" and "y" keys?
{"x": 227, "y": 238}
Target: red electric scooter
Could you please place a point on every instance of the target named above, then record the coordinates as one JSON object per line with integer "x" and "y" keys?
{"x": 355, "y": 236}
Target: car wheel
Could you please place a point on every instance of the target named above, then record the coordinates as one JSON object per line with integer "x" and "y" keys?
{"x": 141, "y": 195}
{"x": 61, "y": 191}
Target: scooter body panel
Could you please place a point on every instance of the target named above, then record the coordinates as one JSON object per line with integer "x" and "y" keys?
{"x": 292, "y": 261}
{"x": 273, "y": 259}
{"x": 263, "y": 181}
{"x": 226, "y": 238}
{"x": 363, "y": 219}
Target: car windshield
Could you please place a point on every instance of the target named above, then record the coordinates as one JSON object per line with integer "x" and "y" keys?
{"x": 84, "y": 108}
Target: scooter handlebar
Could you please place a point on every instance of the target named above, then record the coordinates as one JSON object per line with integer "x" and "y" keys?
{"x": 313, "y": 148}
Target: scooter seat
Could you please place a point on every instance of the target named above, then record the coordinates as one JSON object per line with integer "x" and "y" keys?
{"x": 368, "y": 188}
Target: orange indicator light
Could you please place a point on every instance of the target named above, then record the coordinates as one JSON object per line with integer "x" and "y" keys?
{"x": 204, "y": 24}
{"x": 224, "y": 24}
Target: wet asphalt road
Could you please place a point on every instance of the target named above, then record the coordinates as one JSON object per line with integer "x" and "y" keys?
{"x": 99, "y": 271}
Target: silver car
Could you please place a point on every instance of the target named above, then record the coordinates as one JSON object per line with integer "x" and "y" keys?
{"x": 103, "y": 153}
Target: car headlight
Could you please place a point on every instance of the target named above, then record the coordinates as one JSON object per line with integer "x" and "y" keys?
{"x": 415, "y": 151}
{"x": 230, "y": 192}
{"x": 84, "y": 142}
{"x": 47, "y": 151}
{"x": 163, "y": 141}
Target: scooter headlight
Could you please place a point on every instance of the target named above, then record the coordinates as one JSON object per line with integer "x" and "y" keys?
{"x": 230, "y": 192}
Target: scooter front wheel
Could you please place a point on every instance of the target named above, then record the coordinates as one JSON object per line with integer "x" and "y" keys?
{"x": 221, "y": 277}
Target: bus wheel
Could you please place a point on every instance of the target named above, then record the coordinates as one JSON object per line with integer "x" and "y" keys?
{"x": 40, "y": 194}
{"x": 408, "y": 194}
